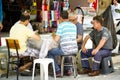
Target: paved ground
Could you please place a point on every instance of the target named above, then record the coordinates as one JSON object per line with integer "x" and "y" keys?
{"x": 112, "y": 76}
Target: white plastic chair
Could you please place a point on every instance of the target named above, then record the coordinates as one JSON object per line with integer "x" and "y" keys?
{"x": 44, "y": 62}
{"x": 43, "y": 68}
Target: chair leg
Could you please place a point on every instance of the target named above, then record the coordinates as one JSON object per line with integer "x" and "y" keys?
{"x": 54, "y": 70}
{"x": 74, "y": 65}
{"x": 7, "y": 69}
{"x": 17, "y": 72}
{"x": 46, "y": 72}
{"x": 33, "y": 71}
{"x": 41, "y": 72}
{"x": 62, "y": 66}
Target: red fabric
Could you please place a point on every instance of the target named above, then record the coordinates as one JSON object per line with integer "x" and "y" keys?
{"x": 95, "y": 3}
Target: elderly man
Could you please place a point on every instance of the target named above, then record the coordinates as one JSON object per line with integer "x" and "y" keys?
{"x": 102, "y": 40}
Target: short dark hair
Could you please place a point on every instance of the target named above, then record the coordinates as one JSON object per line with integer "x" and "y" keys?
{"x": 64, "y": 14}
{"x": 99, "y": 19}
{"x": 24, "y": 17}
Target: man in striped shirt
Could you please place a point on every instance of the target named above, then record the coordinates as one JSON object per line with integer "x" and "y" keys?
{"x": 66, "y": 37}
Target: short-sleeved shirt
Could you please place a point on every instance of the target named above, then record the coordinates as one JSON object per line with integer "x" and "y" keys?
{"x": 96, "y": 36}
{"x": 21, "y": 32}
{"x": 67, "y": 33}
{"x": 79, "y": 32}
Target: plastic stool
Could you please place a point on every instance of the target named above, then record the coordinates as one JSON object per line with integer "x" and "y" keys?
{"x": 106, "y": 65}
{"x": 3, "y": 57}
{"x": 44, "y": 68}
{"x": 73, "y": 64}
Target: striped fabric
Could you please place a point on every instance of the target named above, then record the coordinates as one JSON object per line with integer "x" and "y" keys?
{"x": 67, "y": 32}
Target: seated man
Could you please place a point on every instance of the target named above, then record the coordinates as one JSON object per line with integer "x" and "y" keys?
{"x": 66, "y": 35}
{"x": 73, "y": 18}
{"x": 22, "y": 33}
{"x": 102, "y": 40}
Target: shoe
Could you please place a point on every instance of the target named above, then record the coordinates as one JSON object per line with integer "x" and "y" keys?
{"x": 68, "y": 73}
{"x": 26, "y": 73}
{"x": 84, "y": 71}
{"x": 94, "y": 73}
{"x": 58, "y": 73}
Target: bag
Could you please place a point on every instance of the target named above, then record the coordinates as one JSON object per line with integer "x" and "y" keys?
{"x": 33, "y": 43}
{"x": 108, "y": 22}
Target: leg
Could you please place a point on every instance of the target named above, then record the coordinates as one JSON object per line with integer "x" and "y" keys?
{"x": 85, "y": 57}
{"x": 98, "y": 57}
{"x": 26, "y": 66}
{"x": 96, "y": 62}
{"x": 55, "y": 52}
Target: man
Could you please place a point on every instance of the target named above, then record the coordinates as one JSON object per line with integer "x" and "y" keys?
{"x": 1, "y": 18}
{"x": 102, "y": 40}
{"x": 22, "y": 33}
{"x": 73, "y": 18}
{"x": 66, "y": 36}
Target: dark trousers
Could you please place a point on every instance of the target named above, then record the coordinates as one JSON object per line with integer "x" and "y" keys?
{"x": 96, "y": 58}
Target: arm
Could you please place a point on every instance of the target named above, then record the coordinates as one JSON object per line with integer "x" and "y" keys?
{"x": 79, "y": 38}
{"x": 100, "y": 45}
{"x": 36, "y": 35}
{"x": 84, "y": 43}
{"x": 57, "y": 38}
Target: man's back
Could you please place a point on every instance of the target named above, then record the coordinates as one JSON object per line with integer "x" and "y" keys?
{"x": 21, "y": 32}
{"x": 67, "y": 32}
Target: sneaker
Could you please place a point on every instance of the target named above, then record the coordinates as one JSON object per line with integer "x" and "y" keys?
{"x": 94, "y": 73}
{"x": 84, "y": 71}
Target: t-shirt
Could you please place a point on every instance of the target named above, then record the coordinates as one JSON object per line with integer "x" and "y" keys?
{"x": 96, "y": 36}
{"x": 21, "y": 32}
{"x": 67, "y": 33}
{"x": 28, "y": 26}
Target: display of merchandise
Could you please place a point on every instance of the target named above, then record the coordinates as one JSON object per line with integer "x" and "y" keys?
{"x": 51, "y": 12}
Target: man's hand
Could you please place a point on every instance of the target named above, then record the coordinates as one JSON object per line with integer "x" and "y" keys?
{"x": 1, "y": 26}
{"x": 84, "y": 49}
{"x": 94, "y": 52}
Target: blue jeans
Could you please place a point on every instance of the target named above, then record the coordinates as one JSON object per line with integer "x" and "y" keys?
{"x": 53, "y": 53}
{"x": 97, "y": 58}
